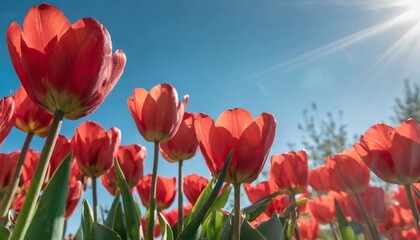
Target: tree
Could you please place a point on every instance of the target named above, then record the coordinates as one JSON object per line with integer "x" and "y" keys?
{"x": 322, "y": 137}
{"x": 409, "y": 106}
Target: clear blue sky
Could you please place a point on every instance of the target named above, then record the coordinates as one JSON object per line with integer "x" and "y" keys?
{"x": 270, "y": 55}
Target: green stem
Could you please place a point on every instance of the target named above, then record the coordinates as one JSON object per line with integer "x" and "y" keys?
{"x": 371, "y": 227}
{"x": 293, "y": 201}
{"x": 180, "y": 225}
{"x": 237, "y": 212}
{"x": 14, "y": 183}
{"x": 413, "y": 205}
{"x": 28, "y": 208}
{"x": 95, "y": 200}
{"x": 152, "y": 200}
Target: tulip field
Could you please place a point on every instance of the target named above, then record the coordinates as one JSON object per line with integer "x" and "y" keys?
{"x": 67, "y": 70}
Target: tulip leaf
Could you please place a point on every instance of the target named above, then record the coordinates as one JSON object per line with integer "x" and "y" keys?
{"x": 131, "y": 217}
{"x": 213, "y": 225}
{"x": 191, "y": 228}
{"x": 92, "y": 230}
{"x": 270, "y": 228}
{"x": 221, "y": 199}
{"x": 292, "y": 207}
{"x": 165, "y": 229}
{"x": 200, "y": 201}
{"x": 345, "y": 230}
{"x": 119, "y": 225}
{"x": 227, "y": 229}
{"x": 250, "y": 233}
{"x": 253, "y": 211}
{"x": 4, "y": 232}
{"x": 110, "y": 219}
{"x": 79, "y": 234}
{"x": 51, "y": 207}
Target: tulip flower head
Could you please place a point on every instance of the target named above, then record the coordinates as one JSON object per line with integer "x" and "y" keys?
{"x": 8, "y": 162}
{"x": 392, "y": 154}
{"x": 158, "y": 113}
{"x": 131, "y": 160}
{"x": 183, "y": 145}
{"x": 7, "y": 117}
{"x": 64, "y": 67}
{"x": 374, "y": 201}
{"x": 319, "y": 179}
{"x": 322, "y": 209}
{"x": 165, "y": 191}
{"x": 30, "y": 118}
{"x": 236, "y": 130}
{"x": 289, "y": 171}
{"x": 95, "y": 148}
{"x": 73, "y": 197}
{"x": 348, "y": 172}
{"x": 193, "y": 185}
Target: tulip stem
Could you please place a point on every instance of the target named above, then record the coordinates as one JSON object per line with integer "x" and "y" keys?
{"x": 95, "y": 200}
{"x": 293, "y": 201}
{"x": 14, "y": 183}
{"x": 237, "y": 211}
{"x": 28, "y": 208}
{"x": 152, "y": 199}
{"x": 371, "y": 227}
{"x": 180, "y": 225}
{"x": 413, "y": 205}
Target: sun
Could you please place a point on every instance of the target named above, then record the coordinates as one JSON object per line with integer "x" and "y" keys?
{"x": 413, "y": 9}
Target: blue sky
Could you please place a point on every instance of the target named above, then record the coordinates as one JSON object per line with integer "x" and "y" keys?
{"x": 265, "y": 56}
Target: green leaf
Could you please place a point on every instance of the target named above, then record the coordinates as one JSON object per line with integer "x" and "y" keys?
{"x": 270, "y": 228}
{"x": 51, "y": 207}
{"x": 200, "y": 201}
{"x": 227, "y": 229}
{"x": 253, "y": 211}
{"x": 131, "y": 217}
{"x": 292, "y": 207}
{"x": 110, "y": 219}
{"x": 92, "y": 230}
{"x": 221, "y": 199}
{"x": 191, "y": 228}
{"x": 79, "y": 234}
{"x": 165, "y": 229}
{"x": 119, "y": 225}
{"x": 346, "y": 232}
{"x": 250, "y": 233}
{"x": 4, "y": 232}
{"x": 212, "y": 227}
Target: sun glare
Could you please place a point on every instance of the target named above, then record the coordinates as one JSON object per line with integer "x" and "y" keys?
{"x": 413, "y": 9}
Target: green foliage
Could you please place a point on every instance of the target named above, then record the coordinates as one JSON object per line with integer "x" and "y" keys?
{"x": 190, "y": 229}
{"x": 253, "y": 211}
{"x": 92, "y": 230}
{"x": 131, "y": 217}
{"x": 50, "y": 208}
{"x": 271, "y": 229}
{"x": 346, "y": 232}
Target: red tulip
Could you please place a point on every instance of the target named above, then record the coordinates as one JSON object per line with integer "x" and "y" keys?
{"x": 131, "y": 160}
{"x": 157, "y": 113}
{"x": 62, "y": 148}
{"x": 289, "y": 171}
{"x": 64, "y": 67}
{"x": 29, "y": 166}
{"x": 401, "y": 196}
{"x": 392, "y": 154}
{"x": 319, "y": 179}
{"x": 236, "y": 130}
{"x": 348, "y": 172}
{"x": 322, "y": 209}
{"x": 193, "y": 185}
{"x": 95, "y": 148}
{"x": 165, "y": 191}
{"x": 30, "y": 118}
{"x": 7, "y": 117}
{"x": 396, "y": 219}
{"x": 374, "y": 201}
{"x": 278, "y": 204}
{"x": 172, "y": 216}
{"x": 156, "y": 229}
{"x": 183, "y": 145}
{"x": 308, "y": 228}
{"x": 73, "y": 197}
{"x": 8, "y": 163}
